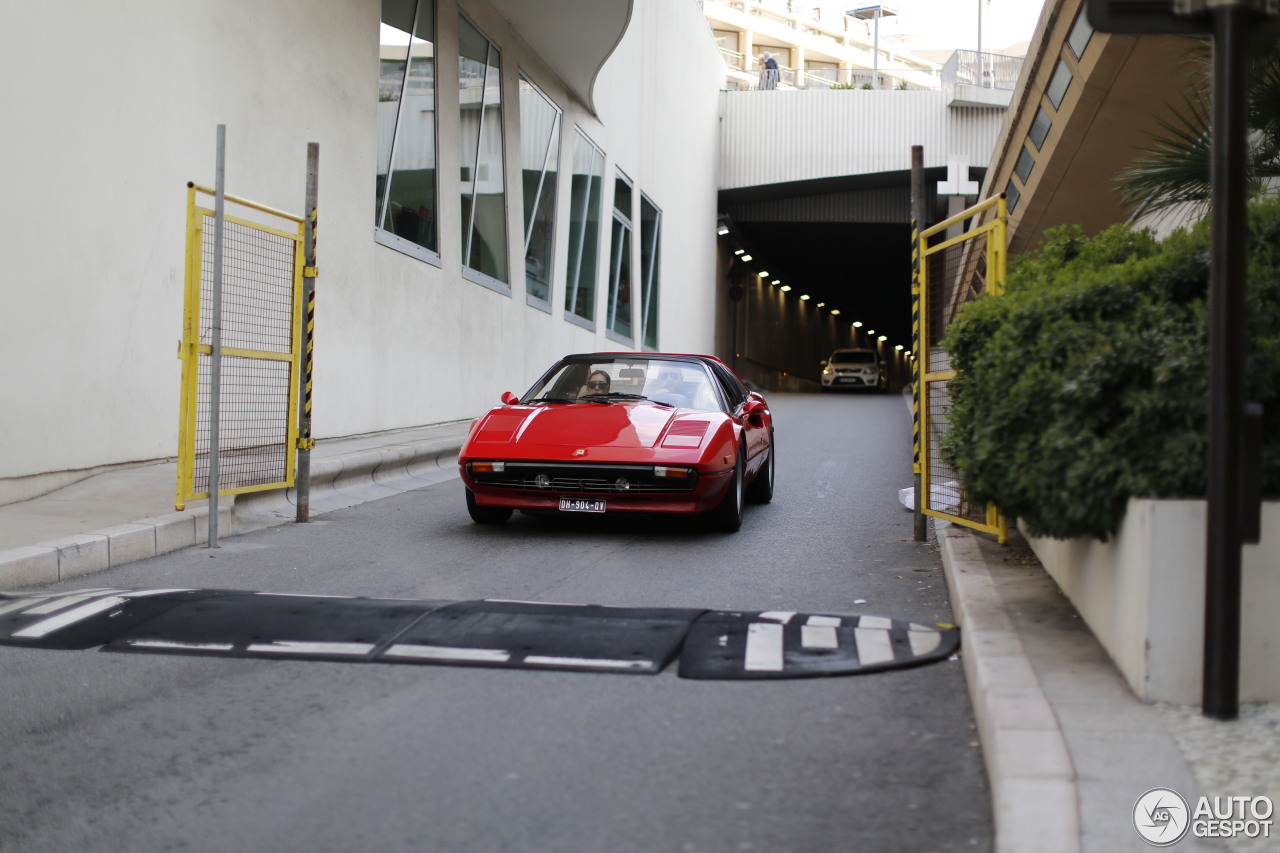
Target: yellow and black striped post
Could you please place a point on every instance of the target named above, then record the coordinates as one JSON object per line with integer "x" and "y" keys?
{"x": 309, "y": 273}
{"x": 918, "y": 212}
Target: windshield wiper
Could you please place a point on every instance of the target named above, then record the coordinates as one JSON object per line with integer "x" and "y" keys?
{"x": 624, "y": 396}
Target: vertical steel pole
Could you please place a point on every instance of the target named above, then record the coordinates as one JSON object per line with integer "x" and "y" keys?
{"x": 1227, "y": 352}
{"x": 215, "y": 356}
{"x": 302, "y": 481}
{"x": 918, "y": 212}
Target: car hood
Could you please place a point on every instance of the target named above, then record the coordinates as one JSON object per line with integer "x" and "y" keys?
{"x": 588, "y": 425}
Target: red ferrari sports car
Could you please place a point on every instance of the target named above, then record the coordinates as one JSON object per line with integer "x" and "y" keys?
{"x": 623, "y": 432}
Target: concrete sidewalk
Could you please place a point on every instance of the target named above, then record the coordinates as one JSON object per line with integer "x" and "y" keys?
{"x": 127, "y": 514}
{"x": 1068, "y": 747}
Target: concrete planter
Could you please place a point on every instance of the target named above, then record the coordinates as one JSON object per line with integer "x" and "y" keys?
{"x": 1142, "y": 595}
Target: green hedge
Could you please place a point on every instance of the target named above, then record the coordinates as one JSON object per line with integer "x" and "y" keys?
{"x": 1087, "y": 382}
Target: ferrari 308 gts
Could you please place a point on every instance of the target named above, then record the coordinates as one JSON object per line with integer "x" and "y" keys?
{"x": 623, "y": 432}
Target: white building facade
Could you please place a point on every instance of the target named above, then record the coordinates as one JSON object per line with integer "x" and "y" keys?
{"x": 500, "y": 183}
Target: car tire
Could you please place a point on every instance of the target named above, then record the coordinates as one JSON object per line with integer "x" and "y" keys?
{"x": 761, "y": 489}
{"x": 486, "y": 514}
{"x": 727, "y": 516}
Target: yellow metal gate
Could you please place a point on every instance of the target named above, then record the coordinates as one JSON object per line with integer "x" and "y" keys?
{"x": 948, "y": 274}
{"x": 262, "y": 273}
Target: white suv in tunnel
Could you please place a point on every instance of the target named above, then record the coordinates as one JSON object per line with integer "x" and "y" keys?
{"x": 854, "y": 368}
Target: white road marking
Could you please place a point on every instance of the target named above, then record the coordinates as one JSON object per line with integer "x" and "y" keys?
{"x": 70, "y": 617}
{"x": 58, "y": 603}
{"x": 818, "y": 637}
{"x": 764, "y": 647}
{"x": 880, "y": 622}
{"x": 825, "y": 621}
{"x": 306, "y": 648}
{"x": 540, "y": 603}
{"x": 409, "y": 650}
{"x": 549, "y": 660}
{"x": 779, "y": 616}
{"x": 174, "y": 644}
{"x": 873, "y": 645}
{"x": 20, "y": 604}
{"x": 923, "y": 640}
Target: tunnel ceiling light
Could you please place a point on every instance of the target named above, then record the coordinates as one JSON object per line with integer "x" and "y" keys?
{"x": 898, "y": 347}
{"x": 775, "y": 281}
{"x": 738, "y": 251}
{"x": 835, "y": 312}
{"x": 857, "y": 324}
{"x": 763, "y": 273}
{"x": 786, "y": 288}
{"x": 871, "y": 331}
{"x": 822, "y": 304}
{"x": 722, "y": 231}
{"x": 804, "y": 298}
{"x": 883, "y": 338}
{"x": 746, "y": 257}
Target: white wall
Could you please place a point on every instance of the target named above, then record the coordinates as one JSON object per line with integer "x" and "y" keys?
{"x": 112, "y": 108}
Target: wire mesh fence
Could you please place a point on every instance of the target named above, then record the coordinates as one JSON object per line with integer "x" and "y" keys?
{"x": 967, "y": 259}
{"x": 259, "y": 323}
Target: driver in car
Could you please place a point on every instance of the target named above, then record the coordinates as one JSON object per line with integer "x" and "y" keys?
{"x": 668, "y": 388}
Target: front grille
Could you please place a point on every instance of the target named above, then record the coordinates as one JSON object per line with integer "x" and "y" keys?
{"x": 584, "y": 478}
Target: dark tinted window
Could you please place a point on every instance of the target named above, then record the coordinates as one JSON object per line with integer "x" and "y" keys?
{"x": 1081, "y": 32}
{"x": 1058, "y": 84}
{"x": 1040, "y": 129}
{"x": 1012, "y": 196}
{"x": 1026, "y": 162}
{"x": 853, "y": 356}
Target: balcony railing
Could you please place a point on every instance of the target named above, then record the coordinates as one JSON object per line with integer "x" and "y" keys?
{"x": 985, "y": 70}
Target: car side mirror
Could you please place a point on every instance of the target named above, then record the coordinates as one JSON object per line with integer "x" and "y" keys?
{"x": 509, "y": 398}
{"x": 753, "y": 409}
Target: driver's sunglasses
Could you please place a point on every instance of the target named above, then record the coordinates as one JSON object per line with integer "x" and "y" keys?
{"x": 597, "y": 384}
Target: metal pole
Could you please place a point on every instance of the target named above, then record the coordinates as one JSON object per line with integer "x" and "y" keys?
{"x": 918, "y": 212}
{"x": 215, "y": 356}
{"x": 302, "y": 482}
{"x": 875, "y": 57}
{"x": 1227, "y": 352}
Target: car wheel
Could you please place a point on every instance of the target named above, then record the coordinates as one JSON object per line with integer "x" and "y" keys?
{"x": 727, "y": 516}
{"x": 761, "y": 489}
{"x": 486, "y": 514}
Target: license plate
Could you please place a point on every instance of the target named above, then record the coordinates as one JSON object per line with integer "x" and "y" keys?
{"x": 581, "y": 505}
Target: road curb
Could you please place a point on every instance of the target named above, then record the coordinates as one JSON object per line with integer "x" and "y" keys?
{"x": 1033, "y": 780}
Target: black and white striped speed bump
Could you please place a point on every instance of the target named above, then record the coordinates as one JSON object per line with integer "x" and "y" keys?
{"x": 511, "y": 634}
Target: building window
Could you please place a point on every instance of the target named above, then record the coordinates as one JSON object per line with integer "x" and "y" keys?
{"x": 484, "y": 197}
{"x": 1011, "y": 196}
{"x": 619, "y": 320}
{"x": 405, "y": 218}
{"x": 1040, "y": 128}
{"x": 1058, "y": 84}
{"x": 539, "y": 156}
{"x": 584, "y": 229}
{"x": 1081, "y": 32}
{"x": 650, "y": 243}
{"x": 1026, "y": 162}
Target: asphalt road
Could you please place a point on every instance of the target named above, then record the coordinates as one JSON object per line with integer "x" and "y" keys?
{"x": 128, "y": 752}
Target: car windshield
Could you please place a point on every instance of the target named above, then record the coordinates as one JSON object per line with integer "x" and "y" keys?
{"x": 663, "y": 381}
{"x": 853, "y": 356}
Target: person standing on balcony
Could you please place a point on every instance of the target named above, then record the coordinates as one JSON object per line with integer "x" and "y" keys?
{"x": 768, "y": 71}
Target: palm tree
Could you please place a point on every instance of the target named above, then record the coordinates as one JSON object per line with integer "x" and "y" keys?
{"x": 1172, "y": 176}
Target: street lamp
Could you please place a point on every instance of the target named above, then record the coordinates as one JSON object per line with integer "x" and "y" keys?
{"x": 873, "y": 13}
